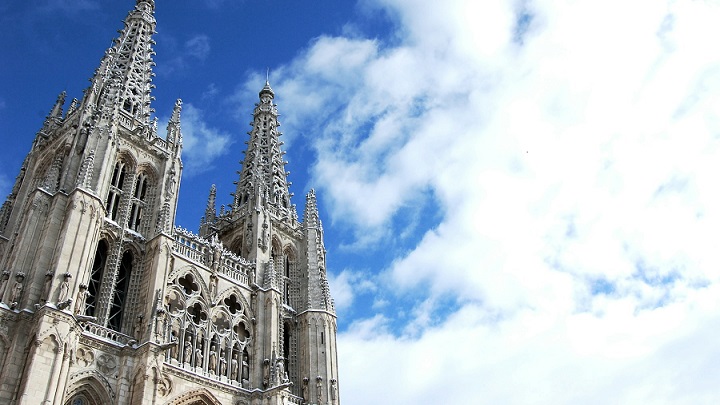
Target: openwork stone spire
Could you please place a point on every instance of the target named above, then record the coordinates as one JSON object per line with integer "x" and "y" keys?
{"x": 128, "y": 62}
{"x": 263, "y": 178}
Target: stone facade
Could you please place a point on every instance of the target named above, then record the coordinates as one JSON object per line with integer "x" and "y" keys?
{"x": 104, "y": 301}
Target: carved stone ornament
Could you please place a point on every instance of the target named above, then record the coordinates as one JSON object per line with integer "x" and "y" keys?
{"x": 84, "y": 357}
{"x": 106, "y": 363}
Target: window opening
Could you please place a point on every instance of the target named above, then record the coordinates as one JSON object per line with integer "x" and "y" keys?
{"x": 96, "y": 278}
{"x": 138, "y": 202}
{"x": 121, "y": 286}
{"x": 116, "y": 184}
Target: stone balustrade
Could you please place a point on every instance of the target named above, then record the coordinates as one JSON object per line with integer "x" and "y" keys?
{"x": 202, "y": 251}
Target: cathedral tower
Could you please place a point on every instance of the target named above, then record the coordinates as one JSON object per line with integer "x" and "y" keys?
{"x": 102, "y": 296}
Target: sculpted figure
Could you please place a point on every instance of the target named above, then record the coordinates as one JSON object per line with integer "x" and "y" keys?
{"x": 234, "y": 367}
{"x": 198, "y": 357}
{"x": 212, "y": 360}
{"x": 333, "y": 389}
{"x": 174, "y": 349}
{"x": 223, "y": 363}
{"x": 46, "y": 286}
{"x": 245, "y": 368}
{"x": 81, "y": 296}
{"x": 266, "y": 373}
{"x": 17, "y": 290}
{"x": 159, "y": 323}
{"x": 279, "y": 370}
{"x": 305, "y": 390}
{"x": 318, "y": 389}
{"x": 187, "y": 350}
{"x": 64, "y": 288}
{"x": 213, "y": 287}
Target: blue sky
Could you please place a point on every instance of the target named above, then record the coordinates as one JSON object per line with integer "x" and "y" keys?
{"x": 518, "y": 196}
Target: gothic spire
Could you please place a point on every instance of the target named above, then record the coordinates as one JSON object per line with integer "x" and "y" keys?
{"x": 54, "y": 117}
{"x": 129, "y": 63}
{"x": 311, "y": 217}
{"x": 263, "y": 172}
{"x": 174, "y": 134}
{"x": 57, "y": 109}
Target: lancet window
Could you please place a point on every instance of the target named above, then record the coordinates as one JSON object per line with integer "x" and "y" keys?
{"x": 96, "y": 278}
{"x": 120, "y": 292}
{"x": 138, "y": 201}
{"x": 99, "y": 276}
{"x": 112, "y": 205}
{"x": 212, "y": 341}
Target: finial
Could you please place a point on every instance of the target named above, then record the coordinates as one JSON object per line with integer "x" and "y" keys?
{"x": 267, "y": 77}
{"x": 176, "y": 111}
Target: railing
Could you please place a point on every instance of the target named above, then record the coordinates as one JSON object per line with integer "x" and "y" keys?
{"x": 234, "y": 268}
{"x": 126, "y": 121}
{"x": 202, "y": 251}
{"x": 191, "y": 246}
{"x": 105, "y": 333}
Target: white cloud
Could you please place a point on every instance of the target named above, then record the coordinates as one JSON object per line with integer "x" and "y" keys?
{"x": 194, "y": 50}
{"x": 202, "y": 144}
{"x": 198, "y": 47}
{"x": 347, "y": 285}
{"x": 575, "y": 171}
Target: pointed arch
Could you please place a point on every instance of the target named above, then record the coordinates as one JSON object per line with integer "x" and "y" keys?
{"x": 143, "y": 196}
{"x": 183, "y": 271}
{"x": 225, "y": 294}
{"x": 195, "y": 397}
{"x": 276, "y": 250}
{"x": 90, "y": 386}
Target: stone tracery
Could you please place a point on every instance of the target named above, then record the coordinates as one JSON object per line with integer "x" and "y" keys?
{"x": 213, "y": 338}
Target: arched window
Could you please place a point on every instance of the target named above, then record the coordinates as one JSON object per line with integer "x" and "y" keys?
{"x": 112, "y": 204}
{"x": 121, "y": 287}
{"x": 138, "y": 202}
{"x": 96, "y": 277}
{"x": 79, "y": 400}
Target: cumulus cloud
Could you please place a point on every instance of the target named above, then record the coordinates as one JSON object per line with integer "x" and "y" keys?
{"x": 198, "y": 47}
{"x": 347, "y": 285}
{"x": 571, "y": 151}
{"x": 202, "y": 144}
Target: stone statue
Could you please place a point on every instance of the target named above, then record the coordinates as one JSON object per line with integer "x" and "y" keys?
{"x": 139, "y": 327}
{"x": 223, "y": 363}
{"x": 17, "y": 290}
{"x": 212, "y": 360}
{"x": 64, "y": 288}
{"x": 159, "y": 323}
{"x": 187, "y": 350}
{"x": 318, "y": 389}
{"x": 213, "y": 287}
{"x": 234, "y": 367}
{"x": 198, "y": 357}
{"x": 266, "y": 373}
{"x": 280, "y": 370}
{"x": 305, "y": 390}
{"x": 245, "y": 367}
{"x": 46, "y": 287}
{"x": 81, "y": 297}
{"x": 174, "y": 349}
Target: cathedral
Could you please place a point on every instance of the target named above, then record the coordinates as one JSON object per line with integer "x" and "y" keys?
{"x": 104, "y": 300}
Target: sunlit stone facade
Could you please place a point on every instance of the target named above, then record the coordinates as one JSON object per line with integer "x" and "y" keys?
{"x": 103, "y": 300}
